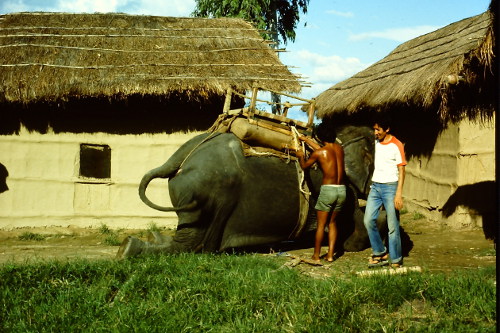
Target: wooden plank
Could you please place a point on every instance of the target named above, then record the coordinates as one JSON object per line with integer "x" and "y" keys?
{"x": 390, "y": 271}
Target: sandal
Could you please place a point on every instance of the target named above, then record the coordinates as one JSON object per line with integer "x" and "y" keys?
{"x": 378, "y": 260}
{"x": 397, "y": 264}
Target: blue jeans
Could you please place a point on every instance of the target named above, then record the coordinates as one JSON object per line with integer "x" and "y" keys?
{"x": 383, "y": 194}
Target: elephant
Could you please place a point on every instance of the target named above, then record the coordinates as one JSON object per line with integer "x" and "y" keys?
{"x": 227, "y": 200}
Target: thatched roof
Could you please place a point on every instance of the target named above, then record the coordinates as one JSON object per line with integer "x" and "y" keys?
{"x": 417, "y": 73}
{"x": 53, "y": 56}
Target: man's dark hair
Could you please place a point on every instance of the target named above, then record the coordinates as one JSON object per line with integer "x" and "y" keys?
{"x": 383, "y": 120}
{"x": 3, "y": 171}
{"x": 325, "y": 133}
{"x": 3, "y": 178}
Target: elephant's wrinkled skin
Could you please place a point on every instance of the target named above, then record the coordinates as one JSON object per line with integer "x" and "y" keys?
{"x": 226, "y": 200}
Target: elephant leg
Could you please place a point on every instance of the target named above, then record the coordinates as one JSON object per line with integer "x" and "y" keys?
{"x": 133, "y": 247}
{"x": 130, "y": 247}
{"x": 359, "y": 240}
{"x": 156, "y": 237}
{"x": 185, "y": 240}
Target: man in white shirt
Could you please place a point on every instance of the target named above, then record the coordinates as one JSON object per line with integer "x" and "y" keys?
{"x": 387, "y": 190}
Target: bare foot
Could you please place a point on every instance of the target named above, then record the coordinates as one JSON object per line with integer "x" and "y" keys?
{"x": 314, "y": 262}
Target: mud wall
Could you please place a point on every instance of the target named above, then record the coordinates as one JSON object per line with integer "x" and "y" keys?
{"x": 46, "y": 186}
{"x": 455, "y": 186}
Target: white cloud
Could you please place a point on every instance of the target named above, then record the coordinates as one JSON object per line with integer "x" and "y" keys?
{"x": 164, "y": 7}
{"x": 13, "y": 6}
{"x": 141, "y": 7}
{"x": 87, "y": 6}
{"x": 323, "y": 71}
{"x": 328, "y": 68}
{"x": 342, "y": 14}
{"x": 397, "y": 34}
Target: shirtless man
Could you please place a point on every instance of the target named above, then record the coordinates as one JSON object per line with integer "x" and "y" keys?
{"x": 332, "y": 195}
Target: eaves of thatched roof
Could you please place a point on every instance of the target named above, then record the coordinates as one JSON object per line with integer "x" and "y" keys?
{"x": 58, "y": 56}
{"x": 418, "y": 73}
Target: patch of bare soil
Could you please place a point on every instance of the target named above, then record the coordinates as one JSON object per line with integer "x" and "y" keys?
{"x": 433, "y": 249}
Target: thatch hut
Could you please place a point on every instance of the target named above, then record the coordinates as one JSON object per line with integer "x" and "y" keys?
{"x": 441, "y": 91}
{"x": 90, "y": 102}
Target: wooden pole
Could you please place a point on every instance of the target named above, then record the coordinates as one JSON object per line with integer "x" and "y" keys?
{"x": 227, "y": 101}
{"x": 287, "y": 105}
{"x": 253, "y": 101}
{"x": 291, "y": 96}
{"x": 310, "y": 113}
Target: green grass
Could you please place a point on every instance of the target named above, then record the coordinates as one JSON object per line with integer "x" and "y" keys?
{"x": 31, "y": 236}
{"x": 237, "y": 293}
{"x": 111, "y": 237}
{"x": 112, "y": 240}
{"x": 105, "y": 230}
{"x": 418, "y": 216}
{"x": 154, "y": 227}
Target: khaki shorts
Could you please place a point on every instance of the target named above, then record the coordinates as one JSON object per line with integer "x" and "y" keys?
{"x": 331, "y": 197}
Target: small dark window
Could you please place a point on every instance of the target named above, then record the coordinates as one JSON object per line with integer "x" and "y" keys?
{"x": 95, "y": 161}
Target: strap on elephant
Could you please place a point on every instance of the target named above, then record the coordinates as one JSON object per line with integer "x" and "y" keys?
{"x": 221, "y": 125}
{"x": 304, "y": 194}
{"x": 210, "y": 136}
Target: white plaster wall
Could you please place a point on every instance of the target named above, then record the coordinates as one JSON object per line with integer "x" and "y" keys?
{"x": 45, "y": 190}
{"x": 464, "y": 154}
{"x": 477, "y": 152}
{"x": 429, "y": 181}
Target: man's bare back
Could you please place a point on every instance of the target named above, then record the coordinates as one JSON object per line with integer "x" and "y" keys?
{"x": 331, "y": 161}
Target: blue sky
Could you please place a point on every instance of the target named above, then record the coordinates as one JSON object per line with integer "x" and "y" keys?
{"x": 339, "y": 39}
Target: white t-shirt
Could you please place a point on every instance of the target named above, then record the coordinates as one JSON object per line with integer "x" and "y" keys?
{"x": 388, "y": 156}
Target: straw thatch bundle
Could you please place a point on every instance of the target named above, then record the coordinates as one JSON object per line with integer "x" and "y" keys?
{"x": 450, "y": 69}
{"x": 58, "y": 56}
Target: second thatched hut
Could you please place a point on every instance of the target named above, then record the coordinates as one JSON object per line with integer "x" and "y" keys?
{"x": 441, "y": 91}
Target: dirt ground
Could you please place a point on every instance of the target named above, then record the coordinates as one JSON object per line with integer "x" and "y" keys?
{"x": 433, "y": 249}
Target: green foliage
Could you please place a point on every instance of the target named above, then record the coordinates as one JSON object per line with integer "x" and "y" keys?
{"x": 112, "y": 240}
{"x": 154, "y": 227}
{"x": 31, "y": 236}
{"x": 418, "y": 216}
{"x": 284, "y": 14}
{"x": 231, "y": 293}
{"x": 105, "y": 230}
{"x": 111, "y": 236}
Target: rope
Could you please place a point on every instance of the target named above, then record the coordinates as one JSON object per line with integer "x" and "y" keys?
{"x": 303, "y": 204}
{"x": 158, "y": 49}
{"x": 299, "y": 169}
{"x": 211, "y": 136}
{"x": 142, "y": 36}
{"x": 286, "y": 104}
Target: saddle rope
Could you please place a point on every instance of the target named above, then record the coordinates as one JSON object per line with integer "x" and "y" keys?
{"x": 303, "y": 189}
{"x": 297, "y": 145}
{"x": 210, "y": 136}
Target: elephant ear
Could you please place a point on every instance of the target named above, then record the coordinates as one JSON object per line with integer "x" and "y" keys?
{"x": 358, "y": 147}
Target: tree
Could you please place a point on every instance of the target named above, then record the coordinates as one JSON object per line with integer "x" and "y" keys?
{"x": 278, "y": 17}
